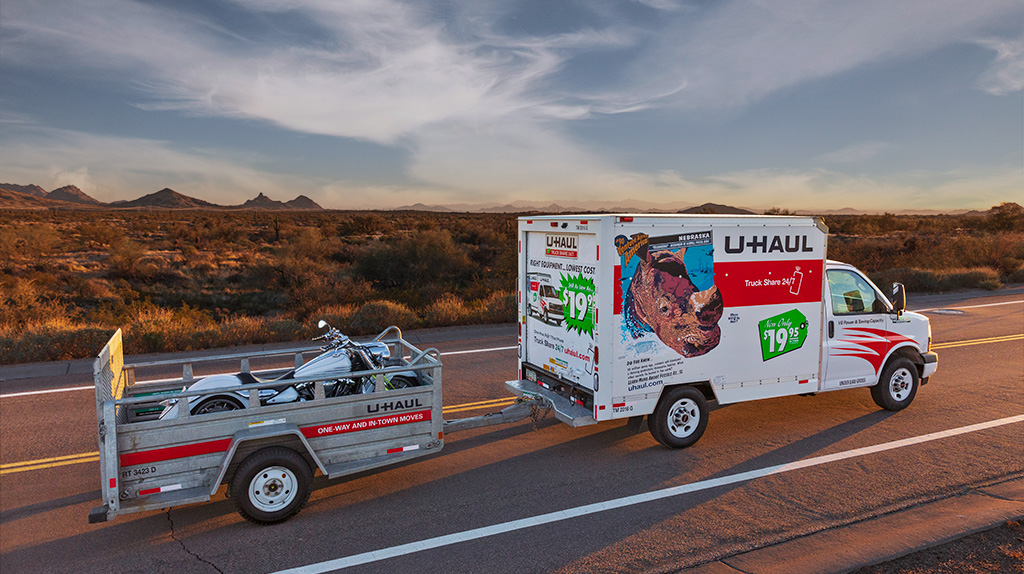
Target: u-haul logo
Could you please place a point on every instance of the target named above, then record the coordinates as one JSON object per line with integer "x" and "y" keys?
{"x": 768, "y": 244}
{"x": 561, "y": 245}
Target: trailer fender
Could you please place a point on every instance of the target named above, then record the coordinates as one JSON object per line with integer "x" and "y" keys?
{"x": 263, "y": 432}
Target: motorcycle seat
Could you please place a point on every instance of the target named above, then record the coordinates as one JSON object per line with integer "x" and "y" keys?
{"x": 250, "y": 379}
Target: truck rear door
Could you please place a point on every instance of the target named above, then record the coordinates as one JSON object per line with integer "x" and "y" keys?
{"x": 560, "y": 290}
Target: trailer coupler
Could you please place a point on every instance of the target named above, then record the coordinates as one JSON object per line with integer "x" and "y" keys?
{"x": 535, "y": 409}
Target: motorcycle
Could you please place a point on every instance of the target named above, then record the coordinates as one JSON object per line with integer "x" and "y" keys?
{"x": 339, "y": 357}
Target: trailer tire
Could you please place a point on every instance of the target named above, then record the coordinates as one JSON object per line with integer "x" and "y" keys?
{"x": 271, "y": 485}
{"x": 897, "y": 386}
{"x": 680, "y": 418}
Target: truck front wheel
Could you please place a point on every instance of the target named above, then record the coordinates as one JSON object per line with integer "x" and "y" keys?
{"x": 897, "y": 386}
{"x": 680, "y": 417}
{"x": 271, "y": 485}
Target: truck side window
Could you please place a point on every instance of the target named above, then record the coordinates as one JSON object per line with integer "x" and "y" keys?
{"x": 852, "y": 294}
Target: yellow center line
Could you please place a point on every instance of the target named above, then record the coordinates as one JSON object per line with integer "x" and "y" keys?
{"x": 970, "y": 342}
{"x": 94, "y": 458}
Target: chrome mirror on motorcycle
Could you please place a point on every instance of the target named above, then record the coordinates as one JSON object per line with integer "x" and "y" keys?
{"x": 321, "y": 324}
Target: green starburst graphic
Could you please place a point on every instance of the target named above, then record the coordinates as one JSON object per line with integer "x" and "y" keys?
{"x": 578, "y": 298}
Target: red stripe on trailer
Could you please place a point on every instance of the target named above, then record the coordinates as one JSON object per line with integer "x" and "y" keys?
{"x": 159, "y": 489}
{"x": 173, "y": 452}
{"x": 617, "y": 405}
{"x": 113, "y": 483}
{"x": 805, "y": 382}
{"x": 403, "y": 449}
{"x": 750, "y": 283}
{"x": 365, "y": 424}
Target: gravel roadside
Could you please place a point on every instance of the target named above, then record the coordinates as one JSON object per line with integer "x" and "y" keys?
{"x": 996, "y": 551}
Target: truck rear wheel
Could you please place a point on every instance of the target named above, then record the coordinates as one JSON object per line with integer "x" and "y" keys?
{"x": 680, "y": 417}
{"x": 271, "y": 485}
{"x": 897, "y": 386}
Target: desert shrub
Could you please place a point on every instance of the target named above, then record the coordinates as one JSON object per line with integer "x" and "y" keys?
{"x": 425, "y": 257}
{"x": 375, "y": 316}
{"x": 923, "y": 280}
{"x": 51, "y": 342}
{"x": 1006, "y": 217}
{"x": 448, "y": 310}
{"x": 498, "y": 307}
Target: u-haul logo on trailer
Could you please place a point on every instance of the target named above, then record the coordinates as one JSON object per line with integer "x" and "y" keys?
{"x": 561, "y": 245}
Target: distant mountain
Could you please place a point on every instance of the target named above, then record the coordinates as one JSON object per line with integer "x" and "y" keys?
{"x": 263, "y": 202}
{"x": 167, "y": 198}
{"x": 303, "y": 202}
{"x": 10, "y": 199}
{"x": 422, "y": 207}
{"x": 716, "y": 208}
{"x": 72, "y": 194}
{"x": 29, "y": 189}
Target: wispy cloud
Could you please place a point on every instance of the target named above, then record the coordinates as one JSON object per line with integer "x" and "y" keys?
{"x": 855, "y": 153}
{"x": 482, "y": 110}
{"x": 1006, "y": 75}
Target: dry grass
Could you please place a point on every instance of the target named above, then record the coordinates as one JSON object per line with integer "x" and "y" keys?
{"x": 190, "y": 280}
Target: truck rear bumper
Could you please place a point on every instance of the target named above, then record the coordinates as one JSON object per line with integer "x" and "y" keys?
{"x": 565, "y": 410}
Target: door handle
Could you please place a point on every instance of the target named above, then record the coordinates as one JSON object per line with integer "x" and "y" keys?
{"x": 831, "y": 329}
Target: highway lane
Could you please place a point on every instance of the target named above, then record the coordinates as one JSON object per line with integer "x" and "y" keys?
{"x": 492, "y": 476}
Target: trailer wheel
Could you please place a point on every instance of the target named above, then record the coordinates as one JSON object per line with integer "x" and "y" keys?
{"x": 680, "y": 417}
{"x": 271, "y": 485}
{"x": 897, "y": 386}
{"x": 218, "y": 404}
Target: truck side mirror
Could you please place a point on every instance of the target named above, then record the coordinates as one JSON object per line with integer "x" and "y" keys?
{"x": 899, "y": 298}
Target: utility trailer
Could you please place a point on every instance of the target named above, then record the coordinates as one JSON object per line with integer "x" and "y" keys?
{"x": 266, "y": 454}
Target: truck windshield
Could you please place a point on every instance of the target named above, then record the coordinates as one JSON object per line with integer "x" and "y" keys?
{"x": 851, "y": 293}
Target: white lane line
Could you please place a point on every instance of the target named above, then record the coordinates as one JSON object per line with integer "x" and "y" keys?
{"x": 46, "y": 392}
{"x": 969, "y": 306}
{"x": 477, "y": 533}
{"x": 90, "y": 387}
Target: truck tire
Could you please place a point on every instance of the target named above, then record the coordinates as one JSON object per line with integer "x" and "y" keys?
{"x": 897, "y": 386}
{"x": 680, "y": 417}
{"x": 271, "y": 485}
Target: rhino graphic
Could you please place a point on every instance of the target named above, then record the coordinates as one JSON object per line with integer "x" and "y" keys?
{"x": 662, "y": 299}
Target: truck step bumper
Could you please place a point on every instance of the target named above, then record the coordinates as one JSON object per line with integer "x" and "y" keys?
{"x": 565, "y": 410}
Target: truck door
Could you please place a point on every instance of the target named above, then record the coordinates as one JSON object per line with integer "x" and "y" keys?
{"x": 559, "y": 336}
{"x": 857, "y": 330}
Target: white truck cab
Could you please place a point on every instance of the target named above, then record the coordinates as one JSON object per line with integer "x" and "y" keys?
{"x": 870, "y": 342}
{"x": 625, "y": 316}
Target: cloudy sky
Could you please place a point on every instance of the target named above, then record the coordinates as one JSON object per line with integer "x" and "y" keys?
{"x": 872, "y": 104}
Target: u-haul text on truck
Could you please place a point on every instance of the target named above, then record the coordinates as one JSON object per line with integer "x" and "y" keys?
{"x": 625, "y": 316}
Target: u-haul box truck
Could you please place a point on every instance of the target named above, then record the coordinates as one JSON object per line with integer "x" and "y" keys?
{"x": 664, "y": 315}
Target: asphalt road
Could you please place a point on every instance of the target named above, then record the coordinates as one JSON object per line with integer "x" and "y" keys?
{"x": 518, "y": 472}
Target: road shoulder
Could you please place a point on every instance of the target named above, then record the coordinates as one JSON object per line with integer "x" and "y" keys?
{"x": 882, "y": 538}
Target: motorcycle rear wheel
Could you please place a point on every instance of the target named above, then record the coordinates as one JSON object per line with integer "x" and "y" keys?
{"x": 218, "y": 404}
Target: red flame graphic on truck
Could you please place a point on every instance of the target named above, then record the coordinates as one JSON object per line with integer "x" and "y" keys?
{"x": 872, "y": 345}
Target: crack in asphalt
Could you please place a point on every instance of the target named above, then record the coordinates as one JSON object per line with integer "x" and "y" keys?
{"x": 185, "y": 548}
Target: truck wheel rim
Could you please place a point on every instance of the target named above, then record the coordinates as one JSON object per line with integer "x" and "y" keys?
{"x": 273, "y": 488}
{"x": 683, "y": 418}
{"x": 900, "y": 384}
